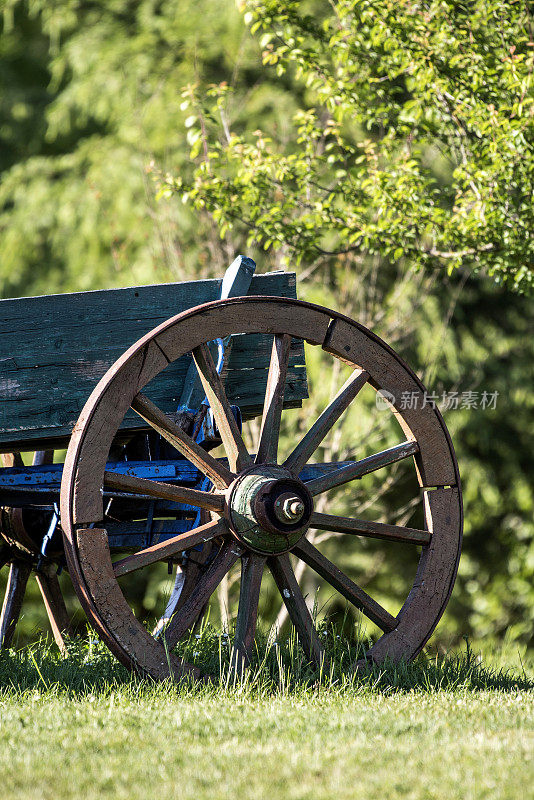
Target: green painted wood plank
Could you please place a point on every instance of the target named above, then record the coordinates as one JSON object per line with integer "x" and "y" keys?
{"x": 54, "y": 349}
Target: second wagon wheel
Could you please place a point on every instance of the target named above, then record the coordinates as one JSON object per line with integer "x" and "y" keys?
{"x": 263, "y": 508}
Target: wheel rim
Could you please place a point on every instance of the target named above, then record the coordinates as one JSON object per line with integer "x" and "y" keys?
{"x": 249, "y": 485}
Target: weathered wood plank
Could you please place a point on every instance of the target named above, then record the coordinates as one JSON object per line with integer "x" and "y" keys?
{"x": 54, "y": 349}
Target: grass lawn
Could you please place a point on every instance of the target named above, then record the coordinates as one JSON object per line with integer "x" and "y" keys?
{"x": 81, "y": 727}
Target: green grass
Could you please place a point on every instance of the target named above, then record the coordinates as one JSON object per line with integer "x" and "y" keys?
{"x": 447, "y": 727}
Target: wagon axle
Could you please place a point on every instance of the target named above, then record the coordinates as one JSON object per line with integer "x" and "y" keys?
{"x": 269, "y": 511}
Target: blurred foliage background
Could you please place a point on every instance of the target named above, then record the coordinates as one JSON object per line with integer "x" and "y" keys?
{"x": 384, "y": 151}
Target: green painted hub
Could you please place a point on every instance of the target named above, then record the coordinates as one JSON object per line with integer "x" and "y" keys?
{"x": 269, "y": 509}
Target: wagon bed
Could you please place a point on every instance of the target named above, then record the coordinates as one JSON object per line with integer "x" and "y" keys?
{"x": 54, "y": 349}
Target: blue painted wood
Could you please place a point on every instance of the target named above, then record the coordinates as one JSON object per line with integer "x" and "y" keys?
{"x": 50, "y": 475}
{"x": 237, "y": 278}
{"x": 235, "y": 283}
{"x": 133, "y": 535}
{"x": 54, "y": 349}
{"x": 172, "y": 471}
{"x": 38, "y": 487}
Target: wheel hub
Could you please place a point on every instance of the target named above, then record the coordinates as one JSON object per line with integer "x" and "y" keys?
{"x": 269, "y": 510}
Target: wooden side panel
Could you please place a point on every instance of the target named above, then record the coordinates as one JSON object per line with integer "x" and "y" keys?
{"x": 89, "y": 446}
{"x": 55, "y": 349}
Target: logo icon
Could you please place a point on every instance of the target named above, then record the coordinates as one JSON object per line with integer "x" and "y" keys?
{"x": 384, "y": 400}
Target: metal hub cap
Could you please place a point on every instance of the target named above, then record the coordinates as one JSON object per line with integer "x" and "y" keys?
{"x": 269, "y": 510}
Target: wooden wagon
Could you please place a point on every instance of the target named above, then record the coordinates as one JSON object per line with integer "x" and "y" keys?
{"x": 142, "y": 384}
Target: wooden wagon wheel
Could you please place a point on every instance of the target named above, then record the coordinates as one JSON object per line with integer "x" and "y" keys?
{"x": 261, "y": 510}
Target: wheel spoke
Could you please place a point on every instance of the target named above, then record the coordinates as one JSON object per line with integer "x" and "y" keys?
{"x": 186, "y": 578}
{"x": 19, "y": 572}
{"x": 157, "y": 419}
{"x": 54, "y": 604}
{"x": 11, "y": 460}
{"x": 274, "y": 398}
{"x": 251, "y": 574}
{"x": 347, "y": 588}
{"x": 5, "y": 555}
{"x": 170, "y": 547}
{"x": 296, "y": 607}
{"x": 311, "y": 441}
{"x": 375, "y": 530}
{"x": 213, "y": 386}
{"x": 359, "y": 468}
{"x": 204, "y": 588}
{"x": 163, "y": 491}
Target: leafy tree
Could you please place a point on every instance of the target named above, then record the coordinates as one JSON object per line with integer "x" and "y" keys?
{"x": 92, "y": 94}
{"x": 490, "y": 348}
{"x": 414, "y": 140}
{"x": 412, "y": 146}
{"x": 338, "y": 160}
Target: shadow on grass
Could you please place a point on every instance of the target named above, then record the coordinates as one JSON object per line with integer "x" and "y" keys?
{"x": 277, "y": 668}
